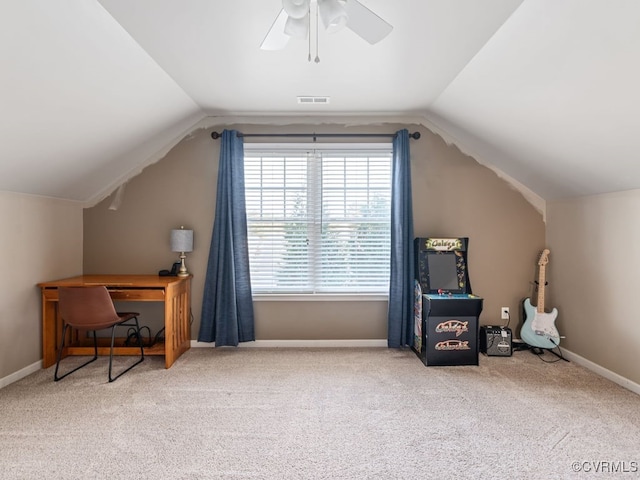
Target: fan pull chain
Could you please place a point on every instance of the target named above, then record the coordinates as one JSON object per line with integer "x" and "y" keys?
{"x": 317, "y": 60}
{"x": 309, "y": 30}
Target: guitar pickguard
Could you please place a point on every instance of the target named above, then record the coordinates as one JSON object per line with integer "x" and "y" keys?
{"x": 543, "y": 324}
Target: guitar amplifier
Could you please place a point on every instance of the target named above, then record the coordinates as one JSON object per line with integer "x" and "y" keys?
{"x": 496, "y": 341}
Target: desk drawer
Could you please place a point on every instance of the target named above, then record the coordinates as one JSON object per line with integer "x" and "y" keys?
{"x": 140, "y": 294}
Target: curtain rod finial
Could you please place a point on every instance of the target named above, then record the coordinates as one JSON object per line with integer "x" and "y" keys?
{"x": 215, "y": 135}
{"x": 415, "y": 135}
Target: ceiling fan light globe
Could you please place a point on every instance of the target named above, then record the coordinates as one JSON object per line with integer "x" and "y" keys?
{"x": 333, "y": 14}
{"x": 297, "y": 27}
{"x": 296, "y": 8}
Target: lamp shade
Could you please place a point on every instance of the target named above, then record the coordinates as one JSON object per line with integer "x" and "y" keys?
{"x": 181, "y": 240}
{"x": 333, "y": 15}
{"x": 296, "y": 8}
{"x": 297, "y": 27}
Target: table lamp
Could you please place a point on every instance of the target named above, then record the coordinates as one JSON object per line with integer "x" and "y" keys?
{"x": 182, "y": 241}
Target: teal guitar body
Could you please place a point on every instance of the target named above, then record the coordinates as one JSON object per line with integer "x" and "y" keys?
{"x": 539, "y": 329}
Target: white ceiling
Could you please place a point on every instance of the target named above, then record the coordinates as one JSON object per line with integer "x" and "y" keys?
{"x": 543, "y": 90}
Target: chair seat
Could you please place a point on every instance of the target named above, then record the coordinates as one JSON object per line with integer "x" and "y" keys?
{"x": 122, "y": 317}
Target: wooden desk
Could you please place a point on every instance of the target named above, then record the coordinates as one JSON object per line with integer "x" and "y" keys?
{"x": 175, "y": 292}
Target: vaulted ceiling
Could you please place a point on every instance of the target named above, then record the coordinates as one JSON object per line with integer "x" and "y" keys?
{"x": 542, "y": 90}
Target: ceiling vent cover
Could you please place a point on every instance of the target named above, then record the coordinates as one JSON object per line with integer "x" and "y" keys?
{"x": 313, "y": 100}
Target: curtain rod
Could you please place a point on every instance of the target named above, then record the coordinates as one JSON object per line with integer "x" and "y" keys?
{"x": 415, "y": 135}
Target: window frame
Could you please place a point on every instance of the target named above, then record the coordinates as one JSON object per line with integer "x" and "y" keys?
{"x": 293, "y": 148}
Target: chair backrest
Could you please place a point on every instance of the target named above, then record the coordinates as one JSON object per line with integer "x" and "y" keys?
{"x": 87, "y": 307}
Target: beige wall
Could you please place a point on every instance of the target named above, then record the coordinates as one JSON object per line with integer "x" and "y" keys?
{"x": 593, "y": 278}
{"x": 41, "y": 240}
{"x": 453, "y": 196}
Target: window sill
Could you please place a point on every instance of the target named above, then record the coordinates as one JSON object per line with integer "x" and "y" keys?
{"x": 319, "y": 297}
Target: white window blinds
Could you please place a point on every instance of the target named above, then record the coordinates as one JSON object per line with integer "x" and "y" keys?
{"x": 318, "y": 218}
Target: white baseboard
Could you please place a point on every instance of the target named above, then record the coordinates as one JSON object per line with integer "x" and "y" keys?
{"x": 20, "y": 374}
{"x": 603, "y": 372}
{"x": 301, "y": 343}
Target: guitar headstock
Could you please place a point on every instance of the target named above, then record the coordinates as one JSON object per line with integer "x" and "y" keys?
{"x": 544, "y": 258}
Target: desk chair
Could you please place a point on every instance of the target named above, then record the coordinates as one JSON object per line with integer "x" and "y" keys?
{"x": 91, "y": 309}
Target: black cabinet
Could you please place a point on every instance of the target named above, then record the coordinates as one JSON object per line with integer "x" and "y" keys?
{"x": 446, "y": 313}
{"x": 446, "y": 329}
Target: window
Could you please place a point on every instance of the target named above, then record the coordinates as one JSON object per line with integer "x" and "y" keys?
{"x": 318, "y": 218}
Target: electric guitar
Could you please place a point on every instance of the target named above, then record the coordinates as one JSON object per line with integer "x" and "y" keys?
{"x": 539, "y": 329}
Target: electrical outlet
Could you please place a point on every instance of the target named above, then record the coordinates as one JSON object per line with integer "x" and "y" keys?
{"x": 504, "y": 313}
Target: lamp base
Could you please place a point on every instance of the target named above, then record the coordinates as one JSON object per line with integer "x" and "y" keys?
{"x": 182, "y": 271}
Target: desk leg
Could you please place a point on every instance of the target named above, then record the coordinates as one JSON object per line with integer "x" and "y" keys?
{"x": 49, "y": 332}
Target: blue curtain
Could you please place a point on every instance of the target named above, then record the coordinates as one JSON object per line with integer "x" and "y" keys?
{"x": 400, "y": 319}
{"x": 227, "y": 306}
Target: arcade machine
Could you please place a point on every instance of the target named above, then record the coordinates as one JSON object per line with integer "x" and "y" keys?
{"x": 446, "y": 312}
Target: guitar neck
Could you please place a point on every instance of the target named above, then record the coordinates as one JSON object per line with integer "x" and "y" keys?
{"x": 541, "y": 285}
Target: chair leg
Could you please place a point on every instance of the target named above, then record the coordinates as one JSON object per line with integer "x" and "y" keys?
{"x": 95, "y": 355}
{"x": 113, "y": 335}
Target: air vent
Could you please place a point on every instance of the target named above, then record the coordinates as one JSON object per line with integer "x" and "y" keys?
{"x": 313, "y": 100}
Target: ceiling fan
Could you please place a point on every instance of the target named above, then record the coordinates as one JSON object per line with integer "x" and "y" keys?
{"x": 294, "y": 20}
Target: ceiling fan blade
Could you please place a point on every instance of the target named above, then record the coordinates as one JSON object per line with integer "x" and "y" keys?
{"x": 366, "y": 23}
{"x": 276, "y": 39}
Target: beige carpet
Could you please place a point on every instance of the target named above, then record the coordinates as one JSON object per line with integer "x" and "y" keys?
{"x": 320, "y": 414}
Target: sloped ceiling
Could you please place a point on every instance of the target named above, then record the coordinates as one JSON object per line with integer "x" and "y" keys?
{"x": 552, "y": 99}
{"x": 542, "y": 90}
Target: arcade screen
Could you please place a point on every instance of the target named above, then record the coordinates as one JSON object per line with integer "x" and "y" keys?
{"x": 443, "y": 273}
